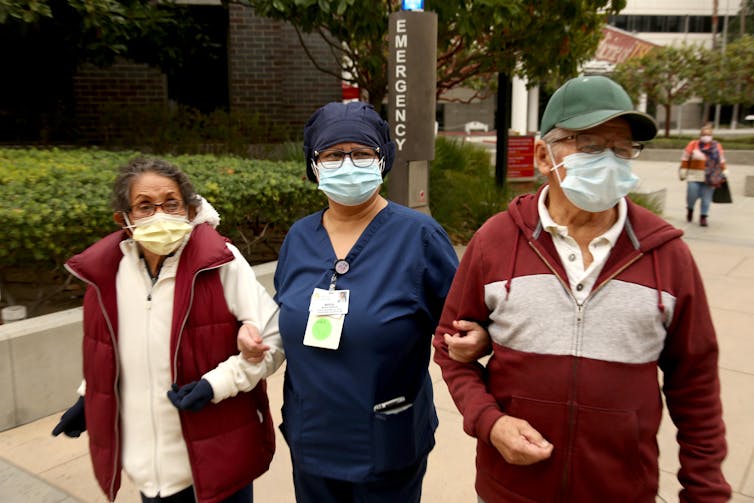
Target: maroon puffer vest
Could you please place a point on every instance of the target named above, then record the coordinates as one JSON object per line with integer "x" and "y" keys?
{"x": 230, "y": 443}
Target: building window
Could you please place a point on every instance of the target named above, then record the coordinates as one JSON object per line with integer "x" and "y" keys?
{"x": 665, "y": 24}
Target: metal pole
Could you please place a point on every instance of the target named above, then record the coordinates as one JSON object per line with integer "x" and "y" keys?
{"x": 503, "y": 120}
{"x": 722, "y": 56}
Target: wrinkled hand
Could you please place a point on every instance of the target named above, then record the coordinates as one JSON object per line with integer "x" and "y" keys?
{"x": 250, "y": 343}
{"x": 73, "y": 421}
{"x": 470, "y": 343}
{"x": 192, "y": 396}
{"x": 518, "y": 442}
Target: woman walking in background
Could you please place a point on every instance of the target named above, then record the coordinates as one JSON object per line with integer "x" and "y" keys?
{"x": 703, "y": 167}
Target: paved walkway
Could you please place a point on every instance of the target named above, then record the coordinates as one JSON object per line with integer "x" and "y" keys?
{"x": 37, "y": 468}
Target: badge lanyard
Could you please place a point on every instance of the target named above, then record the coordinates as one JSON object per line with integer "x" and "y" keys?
{"x": 341, "y": 267}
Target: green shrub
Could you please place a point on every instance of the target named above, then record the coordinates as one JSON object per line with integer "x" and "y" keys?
{"x": 462, "y": 188}
{"x": 186, "y": 130}
{"x": 54, "y": 203}
{"x": 680, "y": 142}
{"x": 648, "y": 201}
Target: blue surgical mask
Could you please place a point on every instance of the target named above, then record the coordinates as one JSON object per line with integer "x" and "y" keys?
{"x": 349, "y": 185}
{"x": 595, "y": 182}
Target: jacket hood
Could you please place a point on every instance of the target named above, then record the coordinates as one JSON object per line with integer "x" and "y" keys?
{"x": 206, "y": 213}
{"x": 646, "y": 230}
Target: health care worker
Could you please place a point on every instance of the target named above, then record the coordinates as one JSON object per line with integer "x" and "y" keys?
{"x": 360, "y": 285}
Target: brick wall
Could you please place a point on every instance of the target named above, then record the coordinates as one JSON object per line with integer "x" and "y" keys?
{"x": 103, "y": 96}
{"x": 271, "y": 74}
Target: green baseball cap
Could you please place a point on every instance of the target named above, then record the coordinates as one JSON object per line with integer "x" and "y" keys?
{"x": 585, "y": 102}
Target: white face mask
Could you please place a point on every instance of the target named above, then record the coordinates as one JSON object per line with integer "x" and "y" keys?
{"x": 705, "y": 138}
{"x": 160, "y": 233}
{"x": 595, "y": 182}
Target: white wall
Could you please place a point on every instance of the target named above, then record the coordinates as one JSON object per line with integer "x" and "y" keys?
{"x": 680, "y": 7}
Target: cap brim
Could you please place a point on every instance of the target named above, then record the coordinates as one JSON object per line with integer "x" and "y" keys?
{"x": 643, "y": 126}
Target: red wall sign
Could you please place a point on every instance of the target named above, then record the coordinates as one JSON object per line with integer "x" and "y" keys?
{"x": 520, "y": 157}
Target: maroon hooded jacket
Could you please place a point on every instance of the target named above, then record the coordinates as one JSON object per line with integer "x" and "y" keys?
{"x": 585, "y": 375}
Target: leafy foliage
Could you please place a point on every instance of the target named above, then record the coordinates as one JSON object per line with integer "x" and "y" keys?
{"x": 544, "y": 41}
{"x": 157, "y": 33}
{"x": 183, "y": 129}
{"x": 734, "y": 27}
{"x": 738, "y": 64}
{"x": 54, "y": 203}
{"x": 671, "y": 75}
{"x": 463, "y": 193}
{"x": 668, "y": 75}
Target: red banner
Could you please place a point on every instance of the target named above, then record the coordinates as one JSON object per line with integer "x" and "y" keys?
{"x": 617, "y": 46}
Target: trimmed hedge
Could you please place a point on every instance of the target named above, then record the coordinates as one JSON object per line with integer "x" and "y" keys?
{"x": 54, "y": 203}
{"x": 462, "y": 188}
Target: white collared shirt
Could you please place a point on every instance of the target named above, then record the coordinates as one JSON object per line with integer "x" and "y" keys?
{"x": 581, "y": 280}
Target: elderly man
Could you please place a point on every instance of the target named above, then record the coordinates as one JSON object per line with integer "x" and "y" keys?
{"x": 584, "y": 295}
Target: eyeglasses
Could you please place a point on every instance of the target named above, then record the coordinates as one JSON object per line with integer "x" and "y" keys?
{"x": 333, "y": 158}
{"x": 594, "y": 144}
{"x": 146, "y": 209}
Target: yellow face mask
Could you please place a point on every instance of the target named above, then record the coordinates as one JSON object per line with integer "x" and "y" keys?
{"x": 161, "y": 233}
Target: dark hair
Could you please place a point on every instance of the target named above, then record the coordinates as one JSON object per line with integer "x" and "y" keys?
{"x": 120, "y": 199}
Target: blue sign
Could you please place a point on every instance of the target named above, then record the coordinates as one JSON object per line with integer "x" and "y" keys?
{"x": 413, "y": 5}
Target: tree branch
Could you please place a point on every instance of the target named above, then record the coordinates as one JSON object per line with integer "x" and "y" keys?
{"x": 322, "y": 69}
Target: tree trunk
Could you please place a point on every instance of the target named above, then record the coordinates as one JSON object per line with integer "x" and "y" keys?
{"x": 668, "y": 107}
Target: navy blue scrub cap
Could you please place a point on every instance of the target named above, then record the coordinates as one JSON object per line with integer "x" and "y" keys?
{"x": 355, "y": 122}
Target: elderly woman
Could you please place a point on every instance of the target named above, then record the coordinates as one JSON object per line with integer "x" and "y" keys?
{"x": 166, "y": 396}
{"x": 360, "y": 285}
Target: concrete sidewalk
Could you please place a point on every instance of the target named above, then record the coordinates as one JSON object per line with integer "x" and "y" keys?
{"x": 37, "y": 468}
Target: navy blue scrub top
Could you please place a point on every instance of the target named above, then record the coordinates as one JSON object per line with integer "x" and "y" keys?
{"x": 400, "y": 271}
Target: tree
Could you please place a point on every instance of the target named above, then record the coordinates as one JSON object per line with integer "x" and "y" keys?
{"x": 51, "y": 39}
{"x": 541, "y": 41}
{"x": 667, "y": 75}
{"x": 743, "y": 23}
{"x": 738, "y": 63}
{"x": 98, "y": 31}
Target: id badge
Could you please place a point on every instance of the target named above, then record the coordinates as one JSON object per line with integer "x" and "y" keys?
{"x": 329, "y": 301}
{"x": 327, "y": 312}
{"x": 324, "y": 331}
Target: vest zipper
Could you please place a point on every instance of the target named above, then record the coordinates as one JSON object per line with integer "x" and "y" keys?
{"x": 175, "y": 360}
{"x": 185, "y": 319}
{"x": 116, "y": 388}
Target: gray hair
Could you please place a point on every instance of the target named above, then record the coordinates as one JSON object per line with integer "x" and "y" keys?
{"x": 120, "y": 199}
{"x": 554, "y": 134}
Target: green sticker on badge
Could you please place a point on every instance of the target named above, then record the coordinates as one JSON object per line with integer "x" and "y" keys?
{"x": 322, "y": 329}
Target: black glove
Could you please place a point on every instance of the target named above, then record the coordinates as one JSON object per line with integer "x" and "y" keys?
{"x": 72, "y": 422}
{"x": 192, "y": 396}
